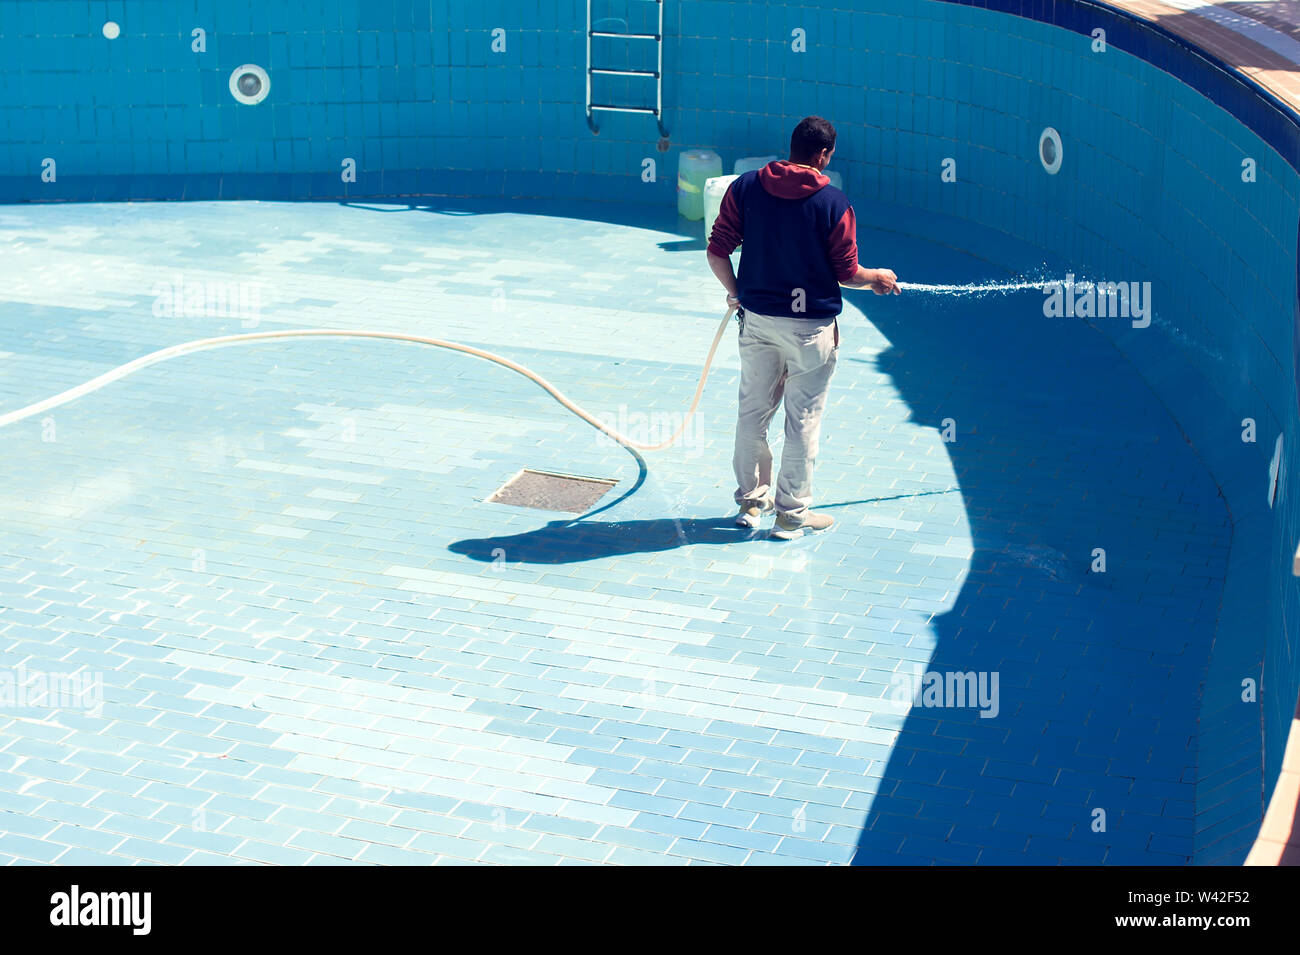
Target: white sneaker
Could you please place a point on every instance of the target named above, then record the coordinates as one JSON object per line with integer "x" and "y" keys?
{"x": 750, "y": 516}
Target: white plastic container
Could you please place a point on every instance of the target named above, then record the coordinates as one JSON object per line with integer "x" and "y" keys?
{"x": 694, "y": 169}
{"x": 714, "y": 190}
{"x": 753, "y": 162}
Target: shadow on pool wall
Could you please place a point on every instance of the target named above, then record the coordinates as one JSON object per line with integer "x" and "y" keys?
{"x": 1095, "y": 696}
{"x": 1151, "y": 190}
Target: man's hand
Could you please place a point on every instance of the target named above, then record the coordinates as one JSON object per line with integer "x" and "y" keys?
{"x": 880, "y": 281}
{"x": 733, "y": 302}
{"x": 883, "y": 282}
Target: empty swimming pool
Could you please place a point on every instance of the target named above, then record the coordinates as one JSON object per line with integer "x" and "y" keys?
{"x": 275, "y": 614}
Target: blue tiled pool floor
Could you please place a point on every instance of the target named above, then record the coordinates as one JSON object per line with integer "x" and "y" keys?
{"x": 317, "y": 642}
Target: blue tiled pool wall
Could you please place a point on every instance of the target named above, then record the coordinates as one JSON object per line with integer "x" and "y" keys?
{"x": 1150, "y": 189}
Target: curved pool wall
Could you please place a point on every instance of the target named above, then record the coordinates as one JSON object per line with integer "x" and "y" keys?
{"x": 1151, "y": 190}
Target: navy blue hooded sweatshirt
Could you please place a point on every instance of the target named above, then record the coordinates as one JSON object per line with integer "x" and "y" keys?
{"x": 799, "y": 232}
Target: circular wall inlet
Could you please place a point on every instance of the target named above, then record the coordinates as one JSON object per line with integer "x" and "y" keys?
{"x": 249, "y": 84}
{"x": 112, "y": 30}
{"x": 1050, "y": 151}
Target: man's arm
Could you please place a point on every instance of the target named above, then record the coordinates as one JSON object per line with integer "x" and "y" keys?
{"x": 880, "y": 281}
{"x": 728, "y": 231}
{"x": 843, "y": 249}
{"x": 721, "y": 266}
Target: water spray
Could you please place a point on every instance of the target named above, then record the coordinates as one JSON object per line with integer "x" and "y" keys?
{"x": 974, "y": 289}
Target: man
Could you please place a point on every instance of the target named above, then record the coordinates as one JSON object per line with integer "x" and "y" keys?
{"x": 800, "y": 246}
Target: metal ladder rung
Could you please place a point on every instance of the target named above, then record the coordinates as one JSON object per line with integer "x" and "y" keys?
{"x": 626, "y": 109}
{"x": 656, "y": 74}
{"x": 596, "y": 69}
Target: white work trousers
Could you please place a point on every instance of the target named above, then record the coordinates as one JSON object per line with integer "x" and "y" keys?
{"x": 791, "y": 359}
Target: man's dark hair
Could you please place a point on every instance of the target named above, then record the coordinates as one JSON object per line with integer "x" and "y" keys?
{"x": 810, "y": 137}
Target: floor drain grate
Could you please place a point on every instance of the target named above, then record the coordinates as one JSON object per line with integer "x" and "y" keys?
{"x": 551, "y": 492}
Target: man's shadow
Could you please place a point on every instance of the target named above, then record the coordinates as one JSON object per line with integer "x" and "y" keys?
{"x": 569, "y": 541}
{"x": 565, "y": 542}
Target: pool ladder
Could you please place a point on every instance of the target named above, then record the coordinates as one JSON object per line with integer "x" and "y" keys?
{"x": 656, "y": 74}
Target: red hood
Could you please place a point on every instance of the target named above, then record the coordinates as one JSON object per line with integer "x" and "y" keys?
{"x": 785, "y": 180}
